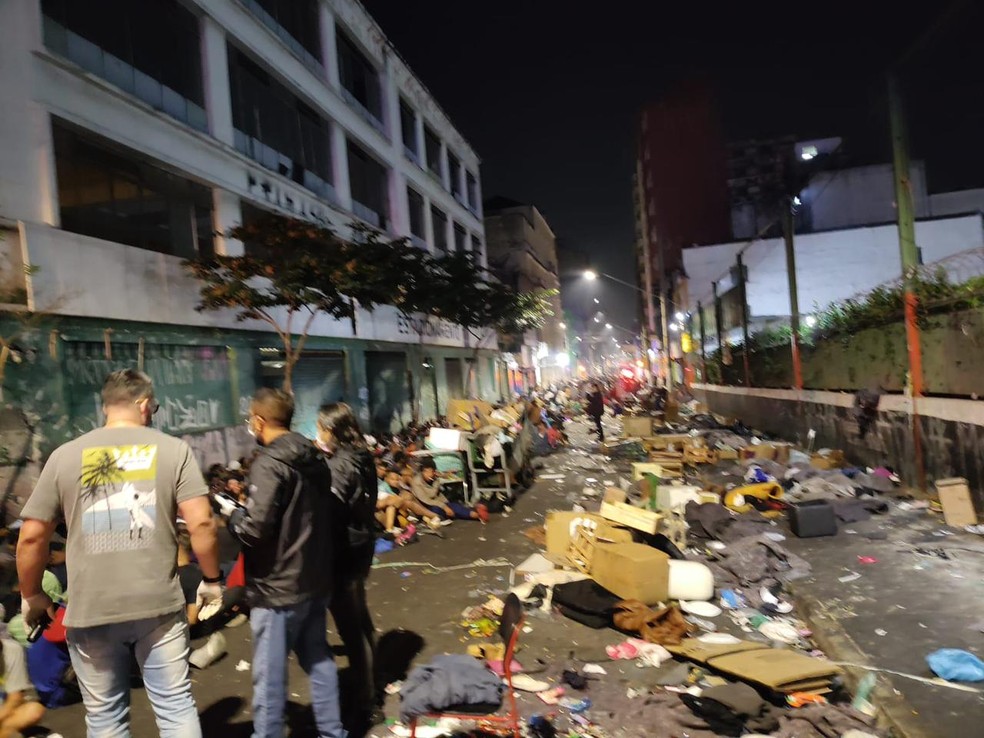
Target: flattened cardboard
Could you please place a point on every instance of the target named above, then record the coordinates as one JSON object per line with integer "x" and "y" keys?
{"x": 637, "y": 426}
{"x": 958, "y": 505}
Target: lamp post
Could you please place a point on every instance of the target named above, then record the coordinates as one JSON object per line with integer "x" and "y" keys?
{"x": 591, "y": 275}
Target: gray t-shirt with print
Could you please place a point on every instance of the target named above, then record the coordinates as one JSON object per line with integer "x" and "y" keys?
{"x": 118, "y": 491}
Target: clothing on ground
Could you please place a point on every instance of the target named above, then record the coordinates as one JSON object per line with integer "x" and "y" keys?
{"x": 448, "y": 681}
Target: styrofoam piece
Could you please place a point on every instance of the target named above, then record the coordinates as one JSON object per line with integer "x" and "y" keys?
{"x": 690, "y": 580}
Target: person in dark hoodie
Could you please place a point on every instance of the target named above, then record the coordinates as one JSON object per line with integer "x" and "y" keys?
{"x": 596, "y": 408}
{"x": 354, "y": 488}
{"x": 286, "y": 531}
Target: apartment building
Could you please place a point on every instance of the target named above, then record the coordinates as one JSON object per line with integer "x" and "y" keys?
{"x": 134, "y": 134}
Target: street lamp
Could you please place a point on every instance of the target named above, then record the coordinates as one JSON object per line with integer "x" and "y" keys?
{"x": 679, "y": 317}
{"x": 590, "y": 274}
{"x": 608, "y": 326}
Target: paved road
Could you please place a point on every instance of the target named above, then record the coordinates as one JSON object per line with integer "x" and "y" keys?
{"x": 900, "y": 594}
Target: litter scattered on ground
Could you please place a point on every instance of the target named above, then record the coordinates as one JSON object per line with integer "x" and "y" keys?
{"x": 243, "y": 665}
{"x": 956, "y": 665}
{"x": 852, "y": 577}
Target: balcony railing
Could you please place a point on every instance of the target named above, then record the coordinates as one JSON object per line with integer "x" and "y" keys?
{"x": 297, "y": 48}
{"x": 369, "y": 116}
{"x": 114, "y": 70}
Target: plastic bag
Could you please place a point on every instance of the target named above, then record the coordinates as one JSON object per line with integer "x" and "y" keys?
{"x": 955, "y": 665}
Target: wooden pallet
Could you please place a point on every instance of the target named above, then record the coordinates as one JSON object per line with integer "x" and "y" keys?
{"x": 581, "y": 550}
{"x": 631, "y": 517}
{"x": 694, "y": 455}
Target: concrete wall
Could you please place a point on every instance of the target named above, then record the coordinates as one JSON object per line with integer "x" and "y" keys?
{"x": 830, "y": 266}
{"x": 952, "y": 430}
{"x": 956, "y": 203}
{"x": 860, "y": 196}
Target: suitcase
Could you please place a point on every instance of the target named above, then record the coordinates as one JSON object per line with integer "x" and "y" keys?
{"x": 813, "y": 519}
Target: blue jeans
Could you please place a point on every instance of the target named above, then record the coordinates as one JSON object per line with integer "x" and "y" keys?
{"x": 461, "y": 512}
{"x": 101, "y": 658}
{"x": 277, "y": 632}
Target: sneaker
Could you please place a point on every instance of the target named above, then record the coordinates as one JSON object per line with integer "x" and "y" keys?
{"x": 433, "y": 523}
{"x": 446, "y": 522}
{"x": 483, "y": 512}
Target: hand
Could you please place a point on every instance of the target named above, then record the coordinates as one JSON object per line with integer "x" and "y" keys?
{"x": 449, "y": 512}
{"x": 226, "y": 505}
{"x": 33, "y": 607}
{"x": 207, "y": 593}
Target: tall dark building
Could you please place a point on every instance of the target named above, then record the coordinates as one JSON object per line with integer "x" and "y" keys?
{"x": 682, "y": 194}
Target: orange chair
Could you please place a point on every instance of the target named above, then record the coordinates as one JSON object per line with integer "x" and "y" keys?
{"x": 509, "y": 629}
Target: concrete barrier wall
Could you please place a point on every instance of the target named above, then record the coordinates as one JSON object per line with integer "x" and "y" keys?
{"x": 952, "y": 429}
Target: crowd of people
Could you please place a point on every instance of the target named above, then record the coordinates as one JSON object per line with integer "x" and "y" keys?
{"x": 158, "y": 557}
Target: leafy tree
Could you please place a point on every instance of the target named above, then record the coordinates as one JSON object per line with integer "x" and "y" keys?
{"x": 292, "y": 271}
{"x": 481, "y": 305}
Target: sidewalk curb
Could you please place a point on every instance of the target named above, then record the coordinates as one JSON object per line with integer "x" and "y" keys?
{"x": 893, "y": 712}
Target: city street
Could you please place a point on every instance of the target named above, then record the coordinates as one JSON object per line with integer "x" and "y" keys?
{"x": 921, "y": 602}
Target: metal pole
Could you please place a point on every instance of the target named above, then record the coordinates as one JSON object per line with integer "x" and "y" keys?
{"x": 718, "y": 319}
{"x": 744, "y": 320}
{"x": 666, "y": 338}
{"x": 794, "y": 316}
{"x": 910, "y": 261}
{"x": 703, "y": 338}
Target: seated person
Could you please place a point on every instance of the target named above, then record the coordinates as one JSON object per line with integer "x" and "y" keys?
{"x": 427, "y": 490}
{"x": 19, "y": 711}
{"x": 393, "y": 500}
{"x": 48, "y": 665}
{"x": 190, "y": 576}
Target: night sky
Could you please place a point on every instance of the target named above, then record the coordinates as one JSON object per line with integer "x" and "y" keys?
{"x": 548, "y": 92}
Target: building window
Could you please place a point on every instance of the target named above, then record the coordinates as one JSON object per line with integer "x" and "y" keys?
{"x": 432, "y": 149}
{"x": 454, "y": 170}
{"x": 440, "y": 223}
{"x": 360, "y": 80}
{"x": 418, "y": 229}
{"x": 296, "y": 23}
{"x": 367, "y": 180}
{"x": 471, "y": 190}
{"x": 460, "y": 238}
{"x": 277, "y": 130}
{"x": 408, "y": 130}
{"x": 114, "y": 194}
{"x": 149, "y": 49}
{"x": 476, "y": 247}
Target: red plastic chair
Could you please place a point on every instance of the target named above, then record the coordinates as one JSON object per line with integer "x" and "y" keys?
{"x": 510, "y": 627}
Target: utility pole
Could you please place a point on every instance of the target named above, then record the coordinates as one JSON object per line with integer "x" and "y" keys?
{"x": 703, "y": 338}
{"x": 794, "y": 317}
{"x": 718, "y": 328}
{"x": 744, "y": 320}
{"x": 910, "y": 260}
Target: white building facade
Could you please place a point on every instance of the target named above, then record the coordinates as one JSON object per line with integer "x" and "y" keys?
{"x": 134, "y": 134}
{"x": 130, "y": 132}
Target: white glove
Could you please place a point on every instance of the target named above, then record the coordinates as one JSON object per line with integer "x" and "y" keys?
{"x": 208, "y": 594}
{"x": 32, "y": 608}
{"x": 226, "y": 505}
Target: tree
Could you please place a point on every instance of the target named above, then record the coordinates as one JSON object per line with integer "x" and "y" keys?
{"x": 473, "y": 299}
{"x": 292, "y": 270}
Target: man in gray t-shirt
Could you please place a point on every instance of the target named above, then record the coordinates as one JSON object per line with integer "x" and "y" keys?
{"x": 120, "y": 489}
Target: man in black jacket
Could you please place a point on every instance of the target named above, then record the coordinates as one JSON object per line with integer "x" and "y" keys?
{"x": 286, "y": 532}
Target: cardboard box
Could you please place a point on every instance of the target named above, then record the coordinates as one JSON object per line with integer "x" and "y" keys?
{"x": 630, "y": 516}
{"x": 561, "y": 527}
{"x": 958, "y": 505}
{"x": 468, "y": 414}
{"x": 671, "y": 497}
{"x": 637, "y": 426}
{"x": 831, "y": 460}
{"x": 633, "y": 571}
{"x": 727, "y": 454}
{"x": 614, "y": 494}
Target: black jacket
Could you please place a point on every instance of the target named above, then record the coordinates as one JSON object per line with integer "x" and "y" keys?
{"x": 354, "y": 492}
{"x": 286, "y": 527}
{"x": 596, "y": 404}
